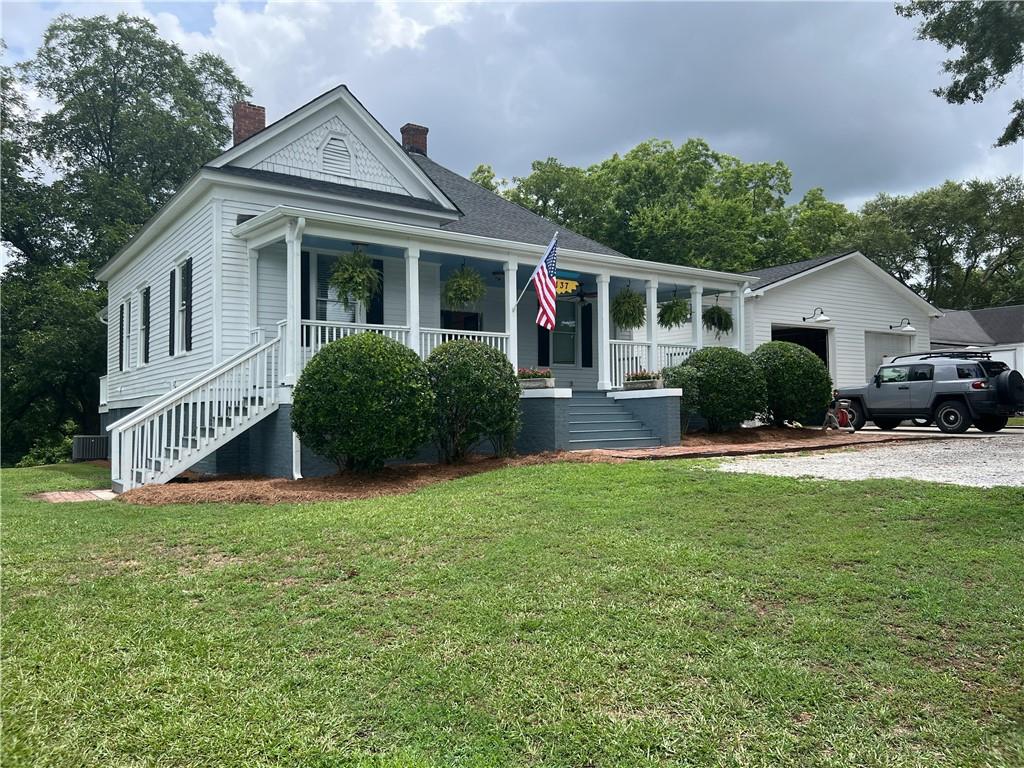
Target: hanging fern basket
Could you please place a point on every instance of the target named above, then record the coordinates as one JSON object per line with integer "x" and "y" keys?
{"x": 355, "y": 279}
{"x": 717, "y": 319}
{"x": 463, "y": 289}
{"x": 673, "y": 313}
{"x": 628, "y": 309}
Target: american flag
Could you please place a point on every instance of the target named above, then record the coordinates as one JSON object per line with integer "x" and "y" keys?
{"x": 544, "y": 281}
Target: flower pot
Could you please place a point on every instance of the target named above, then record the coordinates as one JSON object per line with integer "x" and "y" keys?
{"x": 546, "y": 383}
{"x": 643, "y": 384}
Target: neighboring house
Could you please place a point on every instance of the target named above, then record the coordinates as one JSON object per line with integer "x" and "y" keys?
{"x": 843, "y": 307}
{"x": 996, "y": 330}
{"x": 222, "y": 298}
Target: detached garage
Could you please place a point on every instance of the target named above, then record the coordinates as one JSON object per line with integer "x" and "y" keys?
{"x": 844, "y": 308}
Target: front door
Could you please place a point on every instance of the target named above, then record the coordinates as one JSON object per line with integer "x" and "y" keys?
{"x": 892, "y": 395}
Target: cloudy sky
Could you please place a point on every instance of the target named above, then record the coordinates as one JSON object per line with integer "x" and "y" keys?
{"x": 838, "y": 91}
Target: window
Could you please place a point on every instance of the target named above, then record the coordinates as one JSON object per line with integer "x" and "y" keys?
{"x": 120, "y": 338}
{"x": 921, "y": 373}
{"x": 563, "y": 338}
{"x": 144, "y": 327}
{"x": 180, "y": 335}
{"x": 969, "y": 371}
{"x": 335, "y": 158}
{"x": 893, "y": 373}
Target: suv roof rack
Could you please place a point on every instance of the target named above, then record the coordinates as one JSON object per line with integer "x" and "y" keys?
{"x": 945, "y": 353}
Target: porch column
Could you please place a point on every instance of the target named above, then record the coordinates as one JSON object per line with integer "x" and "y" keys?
{"x": 652, "y": 325}
{"x": 293, "y": 315}
{"x": 604, "y": 347}
{"x": 737, "y": 317}
{"x": 696, "y": 316}
{"x": 511, "y": 321}
{"x": 412, "y": 296}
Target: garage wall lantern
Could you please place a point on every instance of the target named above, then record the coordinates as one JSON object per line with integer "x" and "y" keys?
{"x": 904, "y": 326}
{"x": 817, "y": 316}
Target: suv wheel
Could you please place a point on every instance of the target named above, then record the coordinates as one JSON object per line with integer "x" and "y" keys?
{"x": 856, "y": 412}
{"x": 952, "y": 417}
{"x": 887, "y": 424}
{"x": 991, "y": 423}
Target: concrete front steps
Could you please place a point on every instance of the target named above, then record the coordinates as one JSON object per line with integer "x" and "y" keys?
{"x": 597, "y": 421}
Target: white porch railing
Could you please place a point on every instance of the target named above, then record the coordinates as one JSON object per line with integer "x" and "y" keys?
{"x": 627, "y": 357}
{"x": 316, "y": 334}
{"x": 673, "y": 354}
{"x": 431, "y": 338}
{"x": 104, "y": 390}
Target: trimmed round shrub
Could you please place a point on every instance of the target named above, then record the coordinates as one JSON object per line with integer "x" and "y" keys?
{"x": 476, "y": 398}
{"x": 729, "y": 387}
{"x": 797, "y": 383}
{"x": 363, "y": 400}
{"x": 687, "y": 379}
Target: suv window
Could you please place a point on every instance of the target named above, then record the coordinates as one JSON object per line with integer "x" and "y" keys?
{"x": 994, "y": 367}
{"x": 888, "y": 374}
{"x": 921, "y": 372}
{"x": 969, "y": 371}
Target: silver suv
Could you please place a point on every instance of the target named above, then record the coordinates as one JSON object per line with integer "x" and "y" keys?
{"x": 954, "y": 389}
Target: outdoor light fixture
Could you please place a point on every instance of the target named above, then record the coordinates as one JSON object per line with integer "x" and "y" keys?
{"x": 904, "y": 326}
{"x": 818, "y": 316}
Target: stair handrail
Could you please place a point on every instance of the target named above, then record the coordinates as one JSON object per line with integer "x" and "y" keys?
{"x": 167, "y": 398}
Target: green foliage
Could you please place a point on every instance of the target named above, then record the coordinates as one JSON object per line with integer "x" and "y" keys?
{"x": 51, "y": 449}
{"x": 673, "y": 313}
{"x": 686, "y": 378}
{"x": 629, "y": 309}
{"x": 484, "y": 176}
{"x": 363, "y": 400}
{"x": 718, "y": 319}
{"x": 989, "y": 37}
{"x": 355, "y": 279}
{"x": 463, "y": 289}
{"x": 797, "y": 383}
{"x": 476, "y": 398}
{"x": 727, "y": 389}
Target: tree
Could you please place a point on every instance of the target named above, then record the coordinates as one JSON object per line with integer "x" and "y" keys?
{"x": 484, "y": 176}
{"x": 820, "y": 226}
{"x": 990, "y": 38}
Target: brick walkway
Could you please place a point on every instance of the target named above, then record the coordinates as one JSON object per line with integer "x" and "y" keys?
{"x": 59, "y": 497}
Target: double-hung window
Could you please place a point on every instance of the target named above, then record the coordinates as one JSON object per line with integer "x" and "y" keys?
{"x": 180, "y": 336}
{"x": 144, "y": 313}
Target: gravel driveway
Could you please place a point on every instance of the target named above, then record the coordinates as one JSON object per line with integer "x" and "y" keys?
{"x": 983, "y": 461}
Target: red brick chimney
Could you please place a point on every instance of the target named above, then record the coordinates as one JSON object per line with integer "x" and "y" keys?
{"x": 414, "y": 138}
{"x": 248, "y": 119}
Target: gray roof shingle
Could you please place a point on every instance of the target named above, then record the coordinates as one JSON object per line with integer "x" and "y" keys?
{"x": 770, "y": 275}
{"x": 983, "y": 327}
{"x": 490, "y": 215}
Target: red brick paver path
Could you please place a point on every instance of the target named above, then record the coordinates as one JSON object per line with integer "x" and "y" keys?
{"x": 57, "y": 497}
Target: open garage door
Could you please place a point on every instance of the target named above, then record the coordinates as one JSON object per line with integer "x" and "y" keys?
{"x": 878, "y": 346}
{"x": 815, "y": 339}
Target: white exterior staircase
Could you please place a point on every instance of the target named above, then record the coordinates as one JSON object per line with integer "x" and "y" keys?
{"x": 156, "y": 443}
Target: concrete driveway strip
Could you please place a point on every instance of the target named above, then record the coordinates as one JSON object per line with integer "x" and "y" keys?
{"x": 982, "y": 462}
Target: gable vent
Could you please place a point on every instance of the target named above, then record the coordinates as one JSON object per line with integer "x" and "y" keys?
{"x": 336, "y": 159}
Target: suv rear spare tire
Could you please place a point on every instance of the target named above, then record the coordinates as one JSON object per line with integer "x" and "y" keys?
{"x": 991, "y": 423}
{"x": 1010, "y": 389}
{"x": 952, "y": 417}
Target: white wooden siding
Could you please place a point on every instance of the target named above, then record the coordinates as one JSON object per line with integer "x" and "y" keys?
{"x": 192, "y": 238}
{"x": 855, "y": 300}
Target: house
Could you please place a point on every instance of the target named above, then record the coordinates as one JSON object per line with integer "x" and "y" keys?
{"x": 996, "y": 330}
{"x": 221, "y": 299}
{"x": 843, "y": 307}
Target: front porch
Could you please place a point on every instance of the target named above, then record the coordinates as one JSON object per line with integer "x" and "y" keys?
{"x": 291, "y": 296}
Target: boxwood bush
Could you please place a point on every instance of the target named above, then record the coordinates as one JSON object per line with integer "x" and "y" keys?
{"x": 727, "y": 388}
{"x": 476, "y": 398}
{"x": 798, "y": 385}
{"x": 363, "y": 400}
{"x": 687, "y": 379}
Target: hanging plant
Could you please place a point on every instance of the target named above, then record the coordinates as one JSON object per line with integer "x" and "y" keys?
{"x": 355, "y": 279}
{"x": 463, "y": 289}
{"x": 673, "y": 313}
{"x": 629, "y": 309}
{"x": 717, "y": 319}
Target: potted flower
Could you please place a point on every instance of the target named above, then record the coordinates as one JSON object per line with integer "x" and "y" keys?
{"x": 643, "y": 380}
{"x": 535, "y": 378}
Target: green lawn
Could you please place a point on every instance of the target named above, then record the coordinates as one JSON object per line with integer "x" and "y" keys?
{"x": 569, "y": 614}
{"x": 1016, "y": 421}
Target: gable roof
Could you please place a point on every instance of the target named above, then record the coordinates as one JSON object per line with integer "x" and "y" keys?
{"x": 770, "y": 275}
{"x": 982, "y": 327}
{"x": 773, "y": 277}
{"x": 491, "y": 215}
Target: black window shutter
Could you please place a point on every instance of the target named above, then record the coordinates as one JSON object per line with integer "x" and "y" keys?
{"x": 587, "y": 335}
{"x": 186, "y": 297}
{"x": 543, "y": 346}
{"x": 120, "y": 340}
{"x": 145, "y": 325}
{"x": 305, "y": 285}
{"x": 171, "y": 317}
{"x": 375, "y": 312}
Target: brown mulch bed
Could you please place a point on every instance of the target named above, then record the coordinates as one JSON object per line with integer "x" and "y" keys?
{"x": 407, "y": 478}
